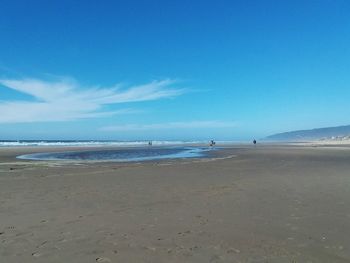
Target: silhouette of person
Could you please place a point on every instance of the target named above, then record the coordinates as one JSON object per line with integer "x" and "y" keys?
{"x": 254, "y": 141}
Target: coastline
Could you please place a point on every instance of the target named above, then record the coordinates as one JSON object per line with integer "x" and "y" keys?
{"x": 246, "y": 204}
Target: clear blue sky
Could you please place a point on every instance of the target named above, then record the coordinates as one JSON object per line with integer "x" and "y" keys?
{"x": 229, "y": 70}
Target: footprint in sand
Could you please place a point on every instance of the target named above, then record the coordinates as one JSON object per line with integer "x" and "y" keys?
{"x": 42, "y": 244}
{"x": 103, "y": 259}
{"x": 202, "y": 220}
{"x": 233, "y": 250}
{"x": 36, "y": 254}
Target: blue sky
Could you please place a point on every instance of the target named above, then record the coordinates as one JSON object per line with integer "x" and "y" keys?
{"x": 229, "y": 70}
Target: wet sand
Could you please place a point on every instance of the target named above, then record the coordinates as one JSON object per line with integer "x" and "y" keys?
{"x": 263, "y": 204}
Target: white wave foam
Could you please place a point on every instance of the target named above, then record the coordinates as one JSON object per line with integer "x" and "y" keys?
{"x": 33, "y": 143}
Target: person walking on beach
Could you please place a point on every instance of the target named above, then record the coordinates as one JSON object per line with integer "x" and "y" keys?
{"x": 254, "y": 142}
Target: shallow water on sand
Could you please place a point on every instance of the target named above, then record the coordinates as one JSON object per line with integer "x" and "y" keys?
{"x": 121, "y": 155}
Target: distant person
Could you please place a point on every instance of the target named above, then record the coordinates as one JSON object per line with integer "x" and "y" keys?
{"x": 212, "y": 143}
{"x": 150, "y": 143}
{"x": 254, "y": 142}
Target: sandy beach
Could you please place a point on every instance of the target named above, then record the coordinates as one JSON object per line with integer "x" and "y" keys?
{"x": 263, "y": 204}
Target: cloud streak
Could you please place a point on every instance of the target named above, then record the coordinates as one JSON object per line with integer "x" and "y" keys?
{"x": 66, "y": 100}
{"x": 212, "y": 124}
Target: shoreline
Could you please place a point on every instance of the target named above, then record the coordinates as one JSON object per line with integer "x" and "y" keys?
{"x": 10, "y": 153}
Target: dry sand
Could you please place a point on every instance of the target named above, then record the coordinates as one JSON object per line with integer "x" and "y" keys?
{"x": 264, "y": 204}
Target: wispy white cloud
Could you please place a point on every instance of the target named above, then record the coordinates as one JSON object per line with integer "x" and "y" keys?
{"x": 66, "y": 100}
{"x": 214, "y": 124}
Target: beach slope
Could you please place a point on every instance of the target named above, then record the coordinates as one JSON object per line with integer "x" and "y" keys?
{"x": 263, "y": 204}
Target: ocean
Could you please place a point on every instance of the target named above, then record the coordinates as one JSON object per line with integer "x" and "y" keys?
{"x": 80, "y": 143}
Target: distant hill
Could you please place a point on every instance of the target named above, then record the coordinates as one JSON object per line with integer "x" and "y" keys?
{"x": 314, "y": 134}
